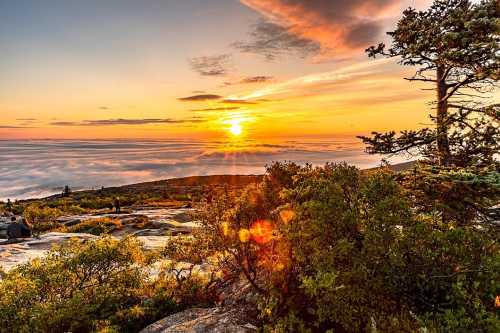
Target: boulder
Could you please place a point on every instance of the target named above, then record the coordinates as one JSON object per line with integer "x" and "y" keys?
{"x": 197, "y": 320}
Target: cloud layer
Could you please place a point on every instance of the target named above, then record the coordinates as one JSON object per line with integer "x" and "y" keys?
{"x": 42, "y": 167}
{"x": 338, "y": 26}
{"x": 12, "y": 127}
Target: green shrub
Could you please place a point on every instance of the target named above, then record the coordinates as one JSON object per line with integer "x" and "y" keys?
{"x": 42, "y": 218}
{"x": 334, "y": 249}
{"x": 97, "y": 226}
{"x": 100, "y": 285}
{"x": 73, "y": 287}
{"x": 94, "y": 202}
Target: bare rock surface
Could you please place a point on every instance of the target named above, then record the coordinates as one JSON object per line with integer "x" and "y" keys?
{"x": 159, "y": 217}
{"x": 197, "y": 320}
{"x": 22, "y": 251}
{"x": 153, "y": 242}
{"x": 164, "y": 223}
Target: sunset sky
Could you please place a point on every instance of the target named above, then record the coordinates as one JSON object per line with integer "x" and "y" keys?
{"x": 201, "y": 69}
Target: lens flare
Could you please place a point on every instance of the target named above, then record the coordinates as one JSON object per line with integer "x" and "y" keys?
{"x": 262, "y": 231}
{"x": 244, "y": 235}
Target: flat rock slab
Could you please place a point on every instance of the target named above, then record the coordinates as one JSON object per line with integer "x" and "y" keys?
{"x": 26, "y": 250}
{"x": 167, "y": 221}
{"x": 22, "y": 251}
{"x": 153, "y": 242}
{"x": 197, "y": 320}
{"x": 176, "y": 217}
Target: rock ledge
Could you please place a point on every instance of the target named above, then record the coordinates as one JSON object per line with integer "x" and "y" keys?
{"x": 197, "y": 320}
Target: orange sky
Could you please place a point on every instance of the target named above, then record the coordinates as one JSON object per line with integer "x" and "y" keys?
{"x": 70, "y": 71}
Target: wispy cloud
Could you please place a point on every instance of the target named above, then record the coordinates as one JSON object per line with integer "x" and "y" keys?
{"x": 272, "y": 40}
{"x": 12, "y": 127}
{"x": 119, "y": 121}
{"x": 238, "y": 101}
{"x": 200, "y": 98}
{"x": 298, "y": 85}
{"x": 257, "y": 79}
{"x": 216, "y": 65}
{"x": 226, "y": 108}
{"x": 251, "y": 80}
{"x": 64, "y": 123}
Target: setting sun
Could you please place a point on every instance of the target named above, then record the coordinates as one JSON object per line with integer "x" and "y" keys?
{"x": 235, "y": 129}
{"x": 234, "y": 125}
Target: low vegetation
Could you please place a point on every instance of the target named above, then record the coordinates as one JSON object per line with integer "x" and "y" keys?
{"x": 322, "y": 248}
{"x": 332, "y": 248}
{"x": 42, "y": 218}
{"x": 102, "y": 285}
{"x": 97, "y": 226}
{"x": 171, "y": 193}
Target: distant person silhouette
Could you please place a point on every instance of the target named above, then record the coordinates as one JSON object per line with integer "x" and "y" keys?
{"x": 117, "y": 205}
{"x": 17, "y": 229}
{"x": 8, "y": 205}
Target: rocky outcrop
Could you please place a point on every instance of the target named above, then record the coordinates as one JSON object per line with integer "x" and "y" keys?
{"x": 153, "y": 227}
{"x": 197, "y": 320}
{"x": 19, "y": 252}
{"x": 141, "y": 222}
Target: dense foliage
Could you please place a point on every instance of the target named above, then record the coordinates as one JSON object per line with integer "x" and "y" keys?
{"x": 101, "y": 285}
{"x": 334, "y": 249}
{"x": 458, "y": 195}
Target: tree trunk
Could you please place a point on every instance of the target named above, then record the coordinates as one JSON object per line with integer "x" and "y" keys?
{"x": 441, "y": 119}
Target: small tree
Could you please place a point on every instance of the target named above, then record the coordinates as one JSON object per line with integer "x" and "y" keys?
{"x": 66, "y": 191}
{"x": 456, "y": 46}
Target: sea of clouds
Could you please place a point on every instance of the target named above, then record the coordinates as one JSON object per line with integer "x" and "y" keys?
{"x": 37, "y": 168}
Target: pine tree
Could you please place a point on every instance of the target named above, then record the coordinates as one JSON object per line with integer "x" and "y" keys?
{"x": 455, "y": 45}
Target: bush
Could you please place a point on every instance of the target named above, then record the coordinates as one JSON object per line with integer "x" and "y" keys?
{"x": 100, "y": 285}
{"x": 459, "y": 195}
{"x": 97, "y": 226}
{"x": 42, "y": 218}
{"x": 94, "y": 202}
{"x": 334, "y": 249}
{"x": 73, "y": 287}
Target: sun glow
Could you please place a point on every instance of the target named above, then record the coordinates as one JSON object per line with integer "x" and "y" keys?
{"x": 236, "y": 125}
{"x": 235, "y": 129}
